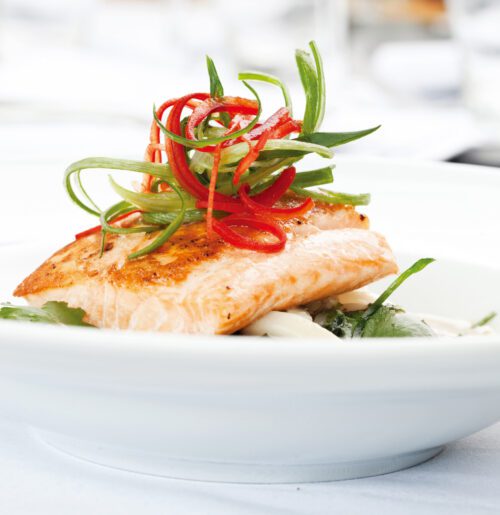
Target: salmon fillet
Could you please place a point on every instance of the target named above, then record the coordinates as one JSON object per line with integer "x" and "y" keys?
{"x": 194, "y": 284}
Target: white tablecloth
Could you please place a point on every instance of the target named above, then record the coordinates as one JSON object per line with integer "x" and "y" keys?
{"x": 35, "y": 479}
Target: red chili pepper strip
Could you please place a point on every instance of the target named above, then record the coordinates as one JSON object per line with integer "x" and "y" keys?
{"x": 273, "y": 193}
{"x": 177, "y": 157}
{"x": 252, "y": 156}
{"x": 153, "y": 150}
{"x": 223, "y": 229}
{"x": 276, "y": 212}
{"x": 230, "y": 105}
{"x": 228, "y": 207}
{"x": 280, "y": 117}
{"x": 285, "y": 129}
{"x": 274, "y": 122}
{"x": 98, "y": 228}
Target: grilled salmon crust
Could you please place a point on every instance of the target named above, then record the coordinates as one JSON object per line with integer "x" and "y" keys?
{"x": 194, "y": 284}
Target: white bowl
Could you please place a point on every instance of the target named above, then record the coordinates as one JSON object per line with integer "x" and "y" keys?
{"x": 280, "y": 410}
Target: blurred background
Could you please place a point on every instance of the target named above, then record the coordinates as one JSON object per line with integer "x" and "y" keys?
{"x": 80, "y": 77}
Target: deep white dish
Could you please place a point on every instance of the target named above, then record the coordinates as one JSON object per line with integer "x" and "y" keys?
{"x": 280, "y": 410}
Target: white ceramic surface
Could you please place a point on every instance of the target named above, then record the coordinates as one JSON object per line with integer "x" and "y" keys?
{"x": 262, "y": 410}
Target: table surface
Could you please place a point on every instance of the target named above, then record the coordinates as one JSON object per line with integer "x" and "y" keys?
{"x": 35, "y": 478}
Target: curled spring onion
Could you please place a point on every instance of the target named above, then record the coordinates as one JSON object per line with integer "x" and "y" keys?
{"x": 270, "y": 79}
{"x": 155, "y": 202}
{"x": 330, "y": 197}
{"x": 98, "y": 163}
{"x": 167, "y": 232}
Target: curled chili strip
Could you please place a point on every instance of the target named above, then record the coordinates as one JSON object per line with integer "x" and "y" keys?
{"x": 251, "y": 157}
{"x": 273, "y": 193}
{"x": 278, "y": 123}
{"x": 224, "y": 229}
{"x": 153, "y": 150}
{"x": 275, "y": 212}
{"x": 231, "y": 105}
{"x": 228, "y": 207}
{"x": 280, "y": 117}
{"x": 177, "y": 156}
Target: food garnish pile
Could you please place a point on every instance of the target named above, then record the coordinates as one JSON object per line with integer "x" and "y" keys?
{"x": 219, "y": 160}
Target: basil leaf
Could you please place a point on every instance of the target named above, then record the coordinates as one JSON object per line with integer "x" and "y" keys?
{"x": 50, "y": 313}
{"x": 387, "y": 322}
{"x": 390, "y": 322}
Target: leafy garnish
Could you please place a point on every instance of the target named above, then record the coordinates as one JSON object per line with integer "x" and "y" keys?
{"x": 379, "y": 320}
{"x": 391, "y": 322}
{"x": 387, "y": 322}
{"x": 216, "y": 88}
{"x": 372, "y": 309}
{"x": 170, "y": 191}
{"x": 324, "y": 139}
{"x": 50, "y": 313}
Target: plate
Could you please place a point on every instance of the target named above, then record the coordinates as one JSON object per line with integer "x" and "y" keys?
{"x": 280, "y": 410}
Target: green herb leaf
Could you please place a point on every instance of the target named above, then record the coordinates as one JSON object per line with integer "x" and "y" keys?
{"x": 387, "y": 322}
{"x": 324, "y": 139}
{"x": 335, "y": 139}
{"x": 341, "y": 324}
{"x": 50, "y": 313}
{"x": 391, "y": 322}
{"x": 485, "y": 320}
{"x": 216, "y": 89}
